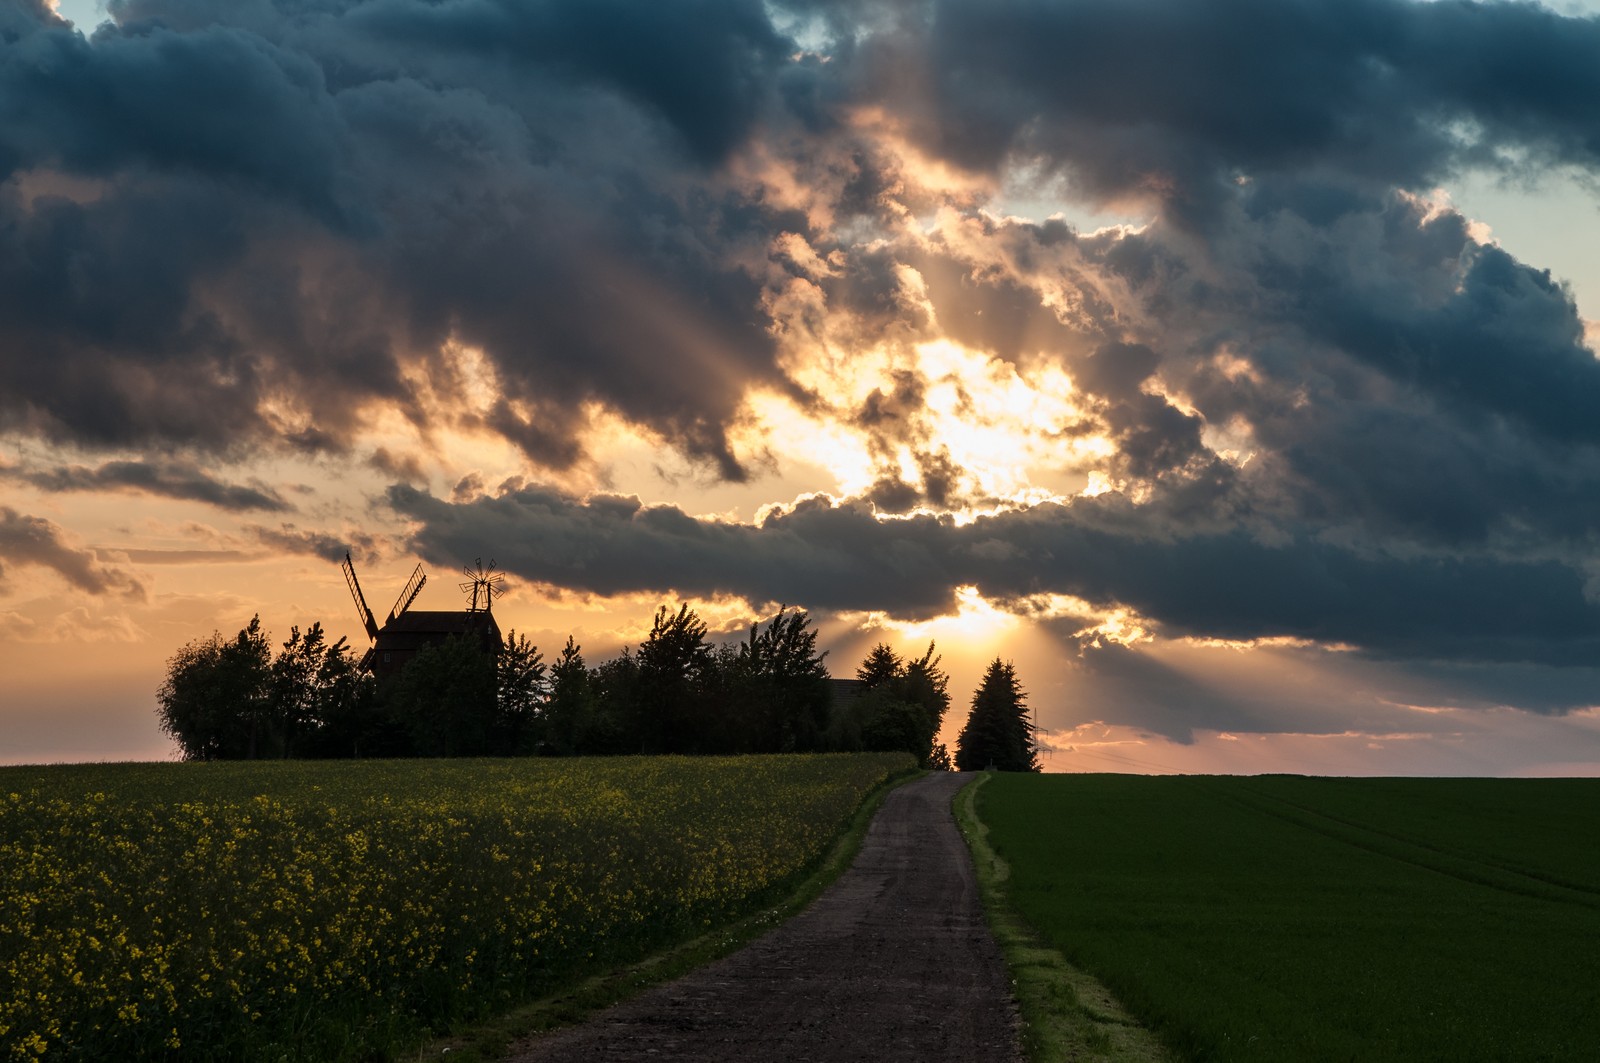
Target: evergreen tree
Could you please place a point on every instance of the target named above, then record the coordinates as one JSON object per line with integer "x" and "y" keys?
{"x": 671, "y": 661}
{"x": 571, "y": 702}
{"x": 998, "y": 733}
{"x": 613, "y": 725}
{"x": 902, "y": 707}
{"x": 881, "y": 666}
{"x": 520, "y": 690}
{"x": 926, "y": 685}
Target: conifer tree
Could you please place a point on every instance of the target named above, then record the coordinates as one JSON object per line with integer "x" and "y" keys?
{"x": 997, "y": 732}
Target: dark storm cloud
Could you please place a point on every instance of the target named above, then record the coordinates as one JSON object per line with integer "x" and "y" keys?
{"x": 34, "y": 541}
{"x": 173, "y": 479}
{"x": 840, "y": 557}
{"x": 215, "y": 208}
{"x": 218, "y": 210}
{"x": 1175, "y": 98}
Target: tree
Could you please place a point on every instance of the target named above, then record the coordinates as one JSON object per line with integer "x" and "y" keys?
{"x": 997, "y": 733}
{"x": 520, "y": 692}
{"x": 903, "y": 706}
{"x": 783, "y": 684}
{"x": 216, "y": 695}
{"x": 447, "y": 701}
{"x": 313, "y": 683}
{"x": 670, "y": 664}
{"x": 926, "y": 685}
{"x": 882, "y": 665}
{"x": 613, "y": 725}
{"x": 570, "y": 706}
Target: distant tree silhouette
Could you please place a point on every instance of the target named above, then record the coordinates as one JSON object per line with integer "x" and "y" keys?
{"x": 881, "y": 665}
{"x": 571, "y": 703}
{"x": 446, "y": 701}
{"x": 520, "y": 692}
{"x": 216, "y": 695}
{"x": 783, "y": 684}
{"x": 313, "y": 683}
{"x": 671, "y": 662}
{"x": 902, "y": 707}
{"x": 997, "y": 732}
{"x": 613, "y": 725}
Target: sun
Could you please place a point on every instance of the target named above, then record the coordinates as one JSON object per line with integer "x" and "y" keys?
{"x": 1000, "y": 435}
{"x": 974, "y": 624}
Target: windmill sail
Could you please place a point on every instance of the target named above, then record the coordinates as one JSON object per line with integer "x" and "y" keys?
{"x": 408, "y": 595}
{"x": 367, "y": 619}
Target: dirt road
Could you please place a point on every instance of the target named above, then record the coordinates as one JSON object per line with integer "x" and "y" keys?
{"x": 893, "y": 964}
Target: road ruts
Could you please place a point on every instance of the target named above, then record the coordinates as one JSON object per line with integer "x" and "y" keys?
{"x": 893, "y": 963}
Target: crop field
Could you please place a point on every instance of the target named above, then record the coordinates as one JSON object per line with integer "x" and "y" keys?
{"x": 346, "y": 910}
{"x": 1279, "y": 918}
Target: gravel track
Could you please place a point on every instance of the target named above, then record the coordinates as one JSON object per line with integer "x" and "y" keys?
{"x": 892, "y": 964}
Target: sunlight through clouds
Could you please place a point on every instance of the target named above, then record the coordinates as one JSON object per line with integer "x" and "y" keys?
{"x": 1246, "y": 404}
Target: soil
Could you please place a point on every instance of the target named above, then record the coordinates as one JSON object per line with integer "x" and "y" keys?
{"x": 893, "y": 964}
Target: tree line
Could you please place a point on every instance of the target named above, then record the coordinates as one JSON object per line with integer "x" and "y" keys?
{"x": 676, "y": 692}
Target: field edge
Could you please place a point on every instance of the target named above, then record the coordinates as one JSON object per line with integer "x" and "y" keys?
{"x": 1066, "y": 1013}
{"x": 494, "y": 1039}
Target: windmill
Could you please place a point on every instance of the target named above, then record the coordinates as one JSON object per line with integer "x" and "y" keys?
{"x": 406, "y": 631}
{"x": 484, "y": 584}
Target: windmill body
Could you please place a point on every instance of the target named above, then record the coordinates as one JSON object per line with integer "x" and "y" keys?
{"x": 407, "y": 631}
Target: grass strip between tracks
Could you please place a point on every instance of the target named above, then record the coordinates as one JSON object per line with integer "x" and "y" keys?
{"x": 1066, "y": 1013}
{"x": 494, "y": 1039}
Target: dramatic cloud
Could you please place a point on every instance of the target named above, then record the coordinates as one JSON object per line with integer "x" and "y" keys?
{"x": 291, "y": 540}
{"x": 179, "y": 480}
{"x": 1225, "y": 585}
{"x": 36, "y": 542}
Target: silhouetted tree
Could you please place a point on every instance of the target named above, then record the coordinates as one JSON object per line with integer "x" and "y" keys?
{"x": 783, "y": 684}
{"x": 520, "y": 692}
{"x": 926, "y": 685}
{"x": 891, "y": 723}
{"x": 312, "y": 683}
{"x": 612, "y": 726}
{"x": 882, "y": 665}
{"x": 446, "y": 700}
{"x": 216, "y": 695}
{"x": 670, "y": 664}
{"x": 571, "y": 702}
{"x": 725, "y": 718}
{"x": 997, "y": 732}
{"x": 903, "y": 706}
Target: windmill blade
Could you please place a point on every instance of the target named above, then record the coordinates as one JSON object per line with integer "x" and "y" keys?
{"x": 367, "y": 620}
{"x": 408, "y": 594}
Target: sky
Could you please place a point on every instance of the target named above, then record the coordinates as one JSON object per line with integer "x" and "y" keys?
{"x": 1228, "y": 366}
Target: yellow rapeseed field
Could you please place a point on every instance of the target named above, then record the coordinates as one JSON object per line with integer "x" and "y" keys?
{"x": 341, "y": 910}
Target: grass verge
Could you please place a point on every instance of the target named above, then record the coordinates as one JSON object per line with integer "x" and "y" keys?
{"x": 492, "y": 1040}
{"x": 1066, "y": 1013}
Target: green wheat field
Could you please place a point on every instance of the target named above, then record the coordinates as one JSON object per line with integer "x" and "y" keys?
{"x": 1286, "y": 918}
